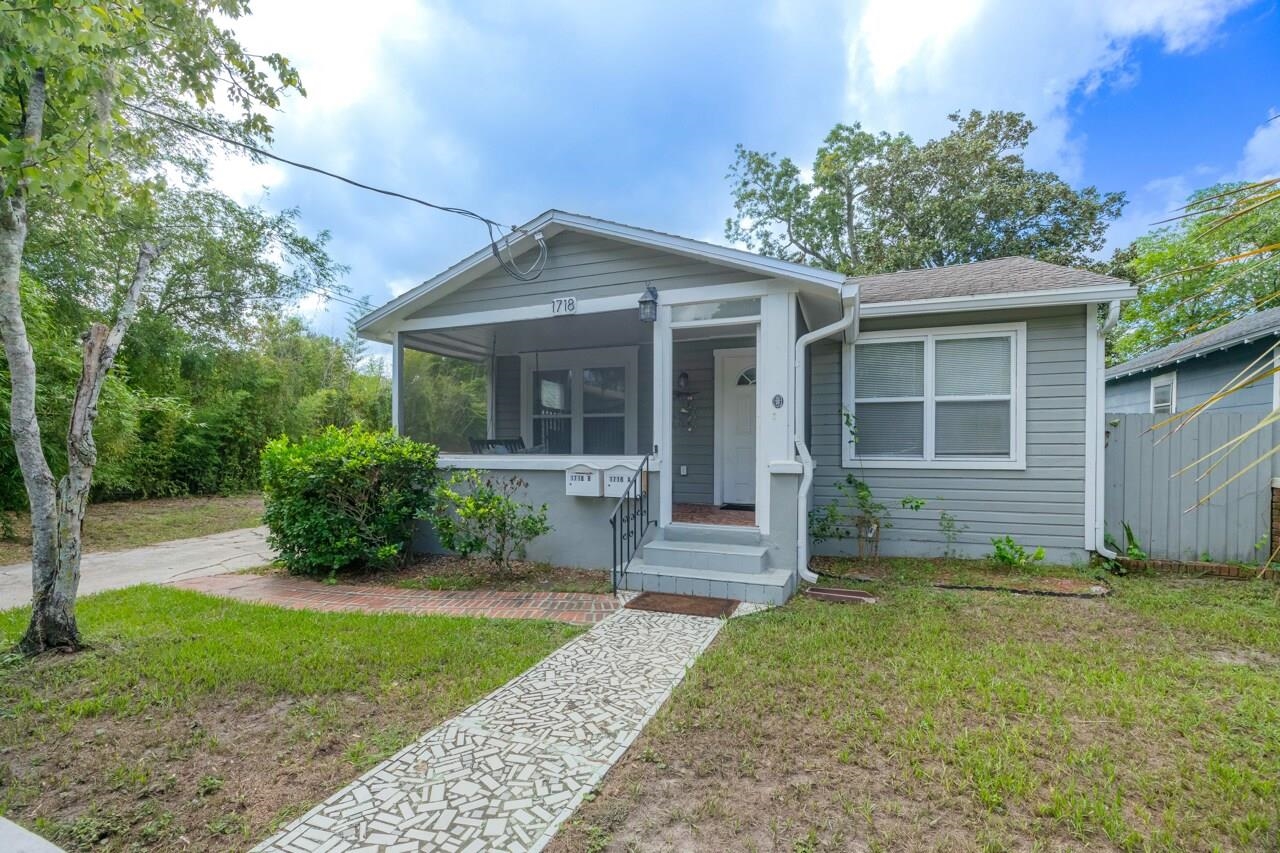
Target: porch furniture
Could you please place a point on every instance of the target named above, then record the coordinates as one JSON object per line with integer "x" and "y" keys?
{"x": 494, "y": 446}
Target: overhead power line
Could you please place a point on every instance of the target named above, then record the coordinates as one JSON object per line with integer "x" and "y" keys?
{"x": 498, "y": 242}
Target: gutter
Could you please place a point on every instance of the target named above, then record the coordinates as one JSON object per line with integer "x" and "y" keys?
{"x": 1100, "y": 457}
{"x": 848, "y": 319}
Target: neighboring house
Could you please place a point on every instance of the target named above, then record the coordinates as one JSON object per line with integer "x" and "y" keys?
{"x": 1181, "y": 375}
{"x": 976, "y": 388}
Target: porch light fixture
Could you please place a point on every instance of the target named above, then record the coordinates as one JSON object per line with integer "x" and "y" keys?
{"x": 649, "y": 305}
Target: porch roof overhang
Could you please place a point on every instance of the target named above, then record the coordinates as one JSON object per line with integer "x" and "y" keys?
{"x": 382, "y": 323}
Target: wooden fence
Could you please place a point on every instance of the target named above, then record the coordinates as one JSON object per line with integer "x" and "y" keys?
{"x": 1144, "y": 489}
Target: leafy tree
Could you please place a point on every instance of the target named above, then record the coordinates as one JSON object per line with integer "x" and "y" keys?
{"x": 880, "y": 203}
{"x": 1186, "y": 287}
{"x": 82, "y": 88}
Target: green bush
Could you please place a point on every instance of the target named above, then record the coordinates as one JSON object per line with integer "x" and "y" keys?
{"x": 345, "y": 498}
{"x": 1009, "y": 553}
{"x": 474, "y": 514}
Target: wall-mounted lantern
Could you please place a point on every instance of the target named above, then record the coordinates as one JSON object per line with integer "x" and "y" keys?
{"x": 649, "y": 305}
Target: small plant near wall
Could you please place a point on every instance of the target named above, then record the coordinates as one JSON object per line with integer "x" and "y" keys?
{"x": 474, "y": 514}
{"x": 856, "y": 515}
{"x": 951, "y": 529}
{"x": 1009, "y": 553}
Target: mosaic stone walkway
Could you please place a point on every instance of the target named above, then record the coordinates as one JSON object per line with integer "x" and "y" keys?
{"x": 579, "y": 608}
{"x": 506, "y": 772}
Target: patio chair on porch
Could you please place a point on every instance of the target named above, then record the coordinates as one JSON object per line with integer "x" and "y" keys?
{"x": 497, "y": 446}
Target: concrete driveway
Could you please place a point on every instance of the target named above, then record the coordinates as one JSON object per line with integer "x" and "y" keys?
{"x": 163, "y": 562}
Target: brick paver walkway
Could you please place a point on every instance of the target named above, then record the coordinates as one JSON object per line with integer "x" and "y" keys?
{"x": 505, "y": 773}
{"x": 579, "y": 608}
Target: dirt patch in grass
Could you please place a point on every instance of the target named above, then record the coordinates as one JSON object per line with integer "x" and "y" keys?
{"x": 118, "y": 525}
{"x": 197, "y": 723}
{"x": 976, "y": 574}
{"x": 965, "y": 721}
{"x": 451, "y": 572}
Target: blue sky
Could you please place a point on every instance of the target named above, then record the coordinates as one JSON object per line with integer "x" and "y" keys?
{"x": 633, "y": 114}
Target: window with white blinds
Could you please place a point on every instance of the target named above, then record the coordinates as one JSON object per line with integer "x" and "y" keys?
{"x": 950, "y": 398}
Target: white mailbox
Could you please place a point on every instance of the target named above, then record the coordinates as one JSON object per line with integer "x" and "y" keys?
{"x": 582, "y": 480}
{"x": 617, "y": 478}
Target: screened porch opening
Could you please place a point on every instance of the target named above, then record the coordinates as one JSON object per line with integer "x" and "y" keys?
{"x": 713, "y": 423}
{"x": 578, "y": 385}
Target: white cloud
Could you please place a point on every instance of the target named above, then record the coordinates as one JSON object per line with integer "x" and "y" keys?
{"x": 397, "y": 286}
{"x": 244, "y": 180}
{"x": 1262, "y": 151}
{"x": 911, "y": 62}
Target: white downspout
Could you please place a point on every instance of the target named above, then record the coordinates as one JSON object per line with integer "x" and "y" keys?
{"x": 1100, "y": 457}
{"x": 847, "y": 319}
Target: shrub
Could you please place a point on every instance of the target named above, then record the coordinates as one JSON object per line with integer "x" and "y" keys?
{"x": 474, "y": 514}
{"x": 1009, "y": 553}
{"x": 345, "y": 498}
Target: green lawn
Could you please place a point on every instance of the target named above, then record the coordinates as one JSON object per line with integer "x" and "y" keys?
{"x": 117, "y": 525}
{"x": 950, "y": 720}
{"x": 199, "y": 723}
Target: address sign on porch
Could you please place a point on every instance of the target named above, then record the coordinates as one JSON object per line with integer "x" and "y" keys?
{"x": 564, "y": 305}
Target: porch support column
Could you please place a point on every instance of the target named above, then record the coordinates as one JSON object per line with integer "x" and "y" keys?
{"x": 773, "y": 380}
{"x": 397, "y": 376}
{"x": 662, "y": 432}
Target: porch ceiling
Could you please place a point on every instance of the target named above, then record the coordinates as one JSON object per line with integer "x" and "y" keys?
{"x": 477, "y": 343}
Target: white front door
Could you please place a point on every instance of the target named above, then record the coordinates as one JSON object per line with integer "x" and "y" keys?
{"x": 736, "y": 425}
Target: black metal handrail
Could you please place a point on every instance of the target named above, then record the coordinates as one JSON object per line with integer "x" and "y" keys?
{"x": 630, "y": 521}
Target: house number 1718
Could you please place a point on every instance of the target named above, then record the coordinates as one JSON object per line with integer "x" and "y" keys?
{"x": 564, "y": 305}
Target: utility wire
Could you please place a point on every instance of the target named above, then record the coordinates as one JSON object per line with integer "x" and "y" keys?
{"x": 498, "y": 243}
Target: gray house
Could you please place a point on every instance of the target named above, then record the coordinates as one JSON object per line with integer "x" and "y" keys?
{"x": 681, "y": 406}
{"x": 1184, "y": 374}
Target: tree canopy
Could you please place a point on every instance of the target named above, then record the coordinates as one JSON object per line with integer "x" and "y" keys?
{"x": 1197, "y": 273}
{"x": 879, "y": 202}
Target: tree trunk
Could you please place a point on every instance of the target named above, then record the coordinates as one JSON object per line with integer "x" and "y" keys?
{"x": 36, "y": 476}
{"x": 53, "y": 609}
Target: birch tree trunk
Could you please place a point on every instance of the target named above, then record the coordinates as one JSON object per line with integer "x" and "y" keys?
{"x": 57, "y": 510}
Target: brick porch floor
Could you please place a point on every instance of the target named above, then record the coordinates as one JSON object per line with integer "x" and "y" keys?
{"x": 299, "y": 594}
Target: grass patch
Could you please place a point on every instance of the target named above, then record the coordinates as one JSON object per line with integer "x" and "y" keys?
{"x": 201, "y": 723}
{"x": 940, "y": 719}
{"x": 117, "y": 525}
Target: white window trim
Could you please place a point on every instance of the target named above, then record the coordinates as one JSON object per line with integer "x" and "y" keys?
{"x": 1017, "y": 461}
{"x": 1170, "y": 379}
{"x": 576, "y": 360}
{"x": 1275, "y": 379}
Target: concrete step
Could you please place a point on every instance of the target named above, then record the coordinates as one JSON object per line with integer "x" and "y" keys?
{"x": 771, "y": 586}
{"x": 711, "y": 533}
{"x": 719, "y": 556}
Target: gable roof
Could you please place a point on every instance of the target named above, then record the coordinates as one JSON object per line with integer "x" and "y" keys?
{"x": 1245, "y": 330}
{"x": 553, "y": 222}
{"x": 979, "y": 278}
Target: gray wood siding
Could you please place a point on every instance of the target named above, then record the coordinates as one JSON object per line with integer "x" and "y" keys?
{"x": 1041, "y": 506}
{"x": 506, "y": 403}
{"x": 1198, "y": 380}
{"x": 696, "y": 449}
{"x": 586, "y": 267}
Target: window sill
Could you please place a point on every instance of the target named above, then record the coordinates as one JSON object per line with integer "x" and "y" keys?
{"x": 939, "y": 464}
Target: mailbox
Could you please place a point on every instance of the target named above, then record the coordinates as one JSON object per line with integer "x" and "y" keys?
{"x": 583, "y": 481}
{"x": 617, "y": 478}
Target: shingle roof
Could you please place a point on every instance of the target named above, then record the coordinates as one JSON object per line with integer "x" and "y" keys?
{"x": 1248, "y": 328}
{"x": 980, "y": 278}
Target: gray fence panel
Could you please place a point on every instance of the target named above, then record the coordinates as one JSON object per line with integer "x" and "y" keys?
{"x": 1144, "y": 489}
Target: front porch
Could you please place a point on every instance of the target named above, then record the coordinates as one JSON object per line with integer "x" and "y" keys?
{"x": 602, "y": 393}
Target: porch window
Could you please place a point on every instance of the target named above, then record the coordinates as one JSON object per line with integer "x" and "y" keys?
{"x": 580, "y": 401}
{"x": 946, "y": 398}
